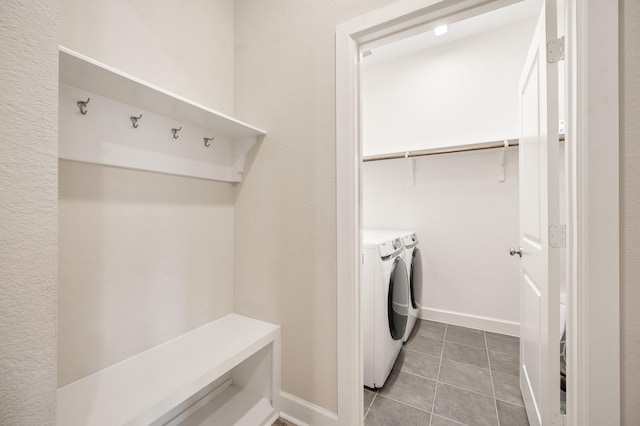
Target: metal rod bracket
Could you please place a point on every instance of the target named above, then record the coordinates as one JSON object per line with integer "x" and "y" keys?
{"x": 412, "y": 169}
{"x": 503, "y": 157}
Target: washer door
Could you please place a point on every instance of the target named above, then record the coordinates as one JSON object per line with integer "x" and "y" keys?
{"x": 415, "y": 280}
{"x": 398, "y": 304}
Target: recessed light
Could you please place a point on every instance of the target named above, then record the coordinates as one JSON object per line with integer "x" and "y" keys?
{"x": 442, "y": 29}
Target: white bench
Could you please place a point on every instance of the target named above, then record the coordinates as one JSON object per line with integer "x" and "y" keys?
{"x": 226, "y": 372}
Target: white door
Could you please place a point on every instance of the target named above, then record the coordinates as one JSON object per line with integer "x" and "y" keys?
{"x": 540, "y": 279}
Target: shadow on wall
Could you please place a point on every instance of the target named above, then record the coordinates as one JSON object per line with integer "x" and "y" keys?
{"x": 81, "y": 181}
{"x": 248, "y": 162}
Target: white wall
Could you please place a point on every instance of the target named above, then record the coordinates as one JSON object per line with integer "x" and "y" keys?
{"x": 459, "y": 93}
{"x": 28, "y": 227}
{"x": 462, "y": 92}
{"x": 630, "y": 206}
{"x": 28, "y": 209}
{"x": 285, "y": 219}
{"x": 144, "y": 257}
{"x": 183, "y": 47}
{"x": 465, "y": 221}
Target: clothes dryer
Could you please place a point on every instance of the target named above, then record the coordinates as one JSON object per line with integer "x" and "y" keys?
{"x": 385, "y": 305}
{"x": 413, "y": 260}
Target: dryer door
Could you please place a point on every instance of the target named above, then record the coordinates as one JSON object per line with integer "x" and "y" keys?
{"x": 415, "y": 280}
{"x": 398, "y": 304}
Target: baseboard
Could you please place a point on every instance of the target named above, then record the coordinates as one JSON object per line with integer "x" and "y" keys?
{"x": 472, "y": 321}
{"x": 304, "y": 413}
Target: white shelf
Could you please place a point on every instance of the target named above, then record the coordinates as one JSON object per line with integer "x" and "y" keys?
{"x": 114, "y": 92}
{"x": 143, "y": 388}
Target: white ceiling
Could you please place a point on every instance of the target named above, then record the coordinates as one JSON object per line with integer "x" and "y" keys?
{"x": 521, "y": 11}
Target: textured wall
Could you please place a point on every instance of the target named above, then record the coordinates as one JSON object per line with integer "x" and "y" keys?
{"x": 144, "y": 257}
{"x": 183, "y": 47}
{"x": 28, "y": 211}
{"x": 630, "y": 210}
{"x": 285, "y": 219}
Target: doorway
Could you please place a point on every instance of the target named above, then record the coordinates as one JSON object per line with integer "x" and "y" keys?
{"x": 437, "y": 110}
{"x": 397, "y": 21}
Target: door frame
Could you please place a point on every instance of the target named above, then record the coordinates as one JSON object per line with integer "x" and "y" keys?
{"x": 592, "y": 144}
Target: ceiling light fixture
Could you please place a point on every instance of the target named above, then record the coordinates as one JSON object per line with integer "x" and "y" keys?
{"x": 442, "y": 29}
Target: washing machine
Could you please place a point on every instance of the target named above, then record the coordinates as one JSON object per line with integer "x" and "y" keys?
{"x": 385, "y": 305}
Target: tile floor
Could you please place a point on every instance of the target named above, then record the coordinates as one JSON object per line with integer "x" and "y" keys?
{"x": 461, "y": 375}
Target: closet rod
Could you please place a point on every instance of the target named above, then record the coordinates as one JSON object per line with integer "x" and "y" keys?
{"x": 423, "y": 153}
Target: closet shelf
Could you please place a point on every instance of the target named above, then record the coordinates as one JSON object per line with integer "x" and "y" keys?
{"x": 84, "y": 77}
{"x": 447, "y": 150}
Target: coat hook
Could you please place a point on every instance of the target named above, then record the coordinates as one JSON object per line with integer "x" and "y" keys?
{"x": 134, "y": 120}
{"x": 207, "y": 141}
{"x": 175, "y": 132}
{"x": 83, "y": 106}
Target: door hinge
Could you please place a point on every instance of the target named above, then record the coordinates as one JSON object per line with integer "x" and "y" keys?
{"x": 555, "y": 50}
{"x": 558, "y": 236}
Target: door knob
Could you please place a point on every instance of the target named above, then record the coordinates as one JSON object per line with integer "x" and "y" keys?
{"x": 517, "y": 251}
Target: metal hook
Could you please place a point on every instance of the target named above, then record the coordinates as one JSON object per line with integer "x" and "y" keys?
{"x": 175, "y": 132}
{"x": 207, "y": 141}
{"x": 134, "y": 120}
{"x": 83, "y": 106}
